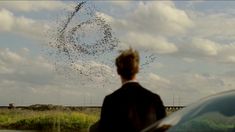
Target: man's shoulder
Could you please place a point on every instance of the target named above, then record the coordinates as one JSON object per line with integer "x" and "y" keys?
{"x": 150, "y": 93}
{"x": 124, "y": 89}
{"x": 132, "y": 88}
{"x": 145, "y": 90}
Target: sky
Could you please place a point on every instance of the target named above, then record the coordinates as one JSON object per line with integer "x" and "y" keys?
{"x": 194, "y": 42}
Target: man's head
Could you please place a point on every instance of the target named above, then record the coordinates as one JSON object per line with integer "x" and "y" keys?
{"x": 128, "y": 64}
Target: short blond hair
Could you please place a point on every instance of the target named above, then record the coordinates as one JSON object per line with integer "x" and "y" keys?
{"x": 127, "y": 63}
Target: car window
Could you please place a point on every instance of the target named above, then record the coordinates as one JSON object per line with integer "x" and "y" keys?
{"x": 211, "y": 121}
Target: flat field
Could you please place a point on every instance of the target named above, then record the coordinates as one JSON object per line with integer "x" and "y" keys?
{"x": 51, "y": 120}
{"x": 57, "y": 120}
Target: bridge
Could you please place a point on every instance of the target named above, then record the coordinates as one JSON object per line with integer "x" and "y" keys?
{"x": 174, "y": 107}
{"x": 42, "y": 107}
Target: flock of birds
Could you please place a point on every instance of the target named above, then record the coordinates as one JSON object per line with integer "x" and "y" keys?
{"x": 84, "y": 38}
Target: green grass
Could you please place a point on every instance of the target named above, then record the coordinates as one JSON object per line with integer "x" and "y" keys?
{"x": 53, "y": 120}
{"x": 46, "y": 120}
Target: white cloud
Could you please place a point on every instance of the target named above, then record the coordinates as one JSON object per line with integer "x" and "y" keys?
{"x": 10, "y": 57}
{"x": 21, "y": 25}
{"x": 191, "y": 87}
{"x": 149, "y": 24}
{"x": 206, "y": 49}
{"x": 155, "y": 18}
{"x": 28, "y": 6}
{"x": 157, "y": 44}
{"x": 209, "y": 84}
{"x": 23, "y": 68}
{"x": 186, "y": 88}
{"x": 157, "y": 79}
{"x": 6, "y": 20}
{"x": 211, "y": 33}
{"x": 5, "y": 70}
{"x": 120, "y": 3}
{"x": 32, "y": 79}
{"x": 204, "y": 46}
{"x": 30, "y": 27}
{"x": 227, "y": 54}
{"x": 107, "y": 18}
{"x": 218, "y": 25}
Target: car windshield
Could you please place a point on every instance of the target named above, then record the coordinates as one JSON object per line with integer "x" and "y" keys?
{"x": 216, "y": 113}
{"x": 57, "y": 59}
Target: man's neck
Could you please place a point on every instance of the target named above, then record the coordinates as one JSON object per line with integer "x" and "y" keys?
{"x": 129, "y": 80}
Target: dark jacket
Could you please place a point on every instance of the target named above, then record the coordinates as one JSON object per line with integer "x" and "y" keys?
{"x": 130, "y": 109}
